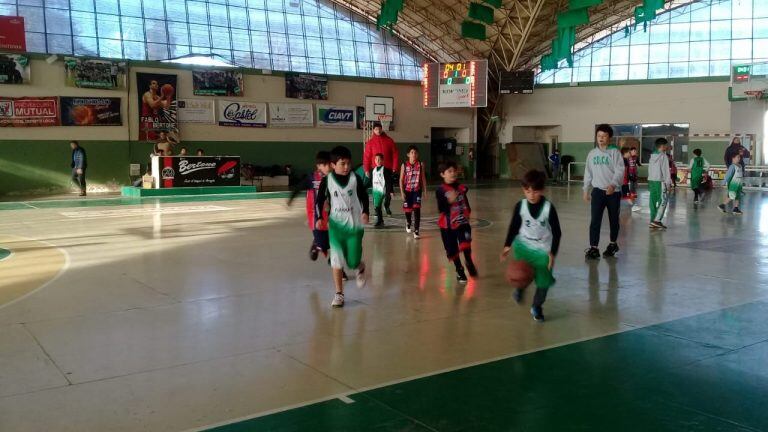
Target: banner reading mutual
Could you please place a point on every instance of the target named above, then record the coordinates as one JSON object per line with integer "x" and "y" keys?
{"x": 243, "y": 114}
{"x": 336, "y": 116}
{"x": 29, "y": 111}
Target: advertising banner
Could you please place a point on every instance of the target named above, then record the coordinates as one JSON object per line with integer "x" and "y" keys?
{"x": 336, "y": 116}
{"x": 290, "y": 115}
{"x": 157, "y": 107}
{"x": 305, "y": 86}
{"x": 217, "y": 83}
{"x": 196, "y": 171}
{"x": 12, "y": 36}
{"x": 197, "y": 111}
{"x": 29, "y": 111}
{"x": 90, "y": 111}
{"x": 14, "y": 69}
{"x": 96, "y": 74}
{"x": 243, "y": 114}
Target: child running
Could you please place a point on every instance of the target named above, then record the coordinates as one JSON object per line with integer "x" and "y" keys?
{"x": 733, "y": 180}
{"x": 634, "y": 162}
{"x": 534, "y": 236}
{"x": 659, "y": 183}
{"x": 347, "y": 200}
{"x": 453, "y": 205}
{"x": 626, "y": 192}
{"x": 382, "y": 188}
{"x": 603, "y": 175}
{"x": 413, "y": 184}
{"x": 697, "y": 166}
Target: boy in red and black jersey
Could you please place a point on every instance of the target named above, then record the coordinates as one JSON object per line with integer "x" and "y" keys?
{"x": 311, "y": 184}
{"x": 453, "y": 205}
{"x": 413, "y": 184}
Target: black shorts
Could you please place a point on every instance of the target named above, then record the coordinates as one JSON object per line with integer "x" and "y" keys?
{"x": 321, "y": 239}
{"x": 456, "y": 240}
{"x": 412, "y": 201}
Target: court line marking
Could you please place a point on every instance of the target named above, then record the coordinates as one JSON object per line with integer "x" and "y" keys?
{"x": 346, "y": 399}
{"x": 63, "y": 268}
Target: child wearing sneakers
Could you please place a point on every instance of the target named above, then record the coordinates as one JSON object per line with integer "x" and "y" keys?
{"x": 311, "y": 184}
{"x": 634, "y": 163}
{"x": 659, "y": 183}
{"x": 603, "y": 177}
{"x": 697, "y": 166}
{"x": 413, "y": 184}
{"x": 382, "y": 187}
{"x": 626, "y": 191}
{"x": 733, "y": 180}
{"x": 534, "y": 236}
{"x": 453, "y": 205}
{"x": 347, "y": 199}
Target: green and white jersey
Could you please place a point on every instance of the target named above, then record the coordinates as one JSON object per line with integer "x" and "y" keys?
{"x": 378, "y": 180}
{"x": 535, "y": 233}
{"x": 346, "y": 210}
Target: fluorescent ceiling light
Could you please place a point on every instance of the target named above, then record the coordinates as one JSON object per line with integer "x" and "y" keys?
{"x": 201, "y": 60}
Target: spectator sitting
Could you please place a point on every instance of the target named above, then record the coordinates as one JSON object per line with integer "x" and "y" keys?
{"x": 200, "y": 152}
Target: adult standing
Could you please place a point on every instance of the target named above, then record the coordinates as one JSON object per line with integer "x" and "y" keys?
{"x": 380, "y": 142}
{"x": 732, "y": 150}
{"x": 79, "y": 165}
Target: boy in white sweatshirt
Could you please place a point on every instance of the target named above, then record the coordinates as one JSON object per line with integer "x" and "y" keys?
{"x": 603, "y": 177}
{"x": 659, "y": 183}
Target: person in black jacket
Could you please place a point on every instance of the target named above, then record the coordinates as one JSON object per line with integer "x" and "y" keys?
{"x": 79, "y": 165}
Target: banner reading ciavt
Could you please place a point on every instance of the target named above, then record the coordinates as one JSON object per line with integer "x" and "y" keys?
{"x": 336, "y": 116}
{"x": 157, "y": 106}
{"x": 243, "y": 114}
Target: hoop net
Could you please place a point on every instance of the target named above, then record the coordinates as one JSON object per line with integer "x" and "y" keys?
{"x": 754, "y": 95}
{"x": 385, "y": 120}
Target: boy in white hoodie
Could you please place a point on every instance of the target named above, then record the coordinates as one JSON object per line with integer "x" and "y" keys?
{"x": 659, "y": 183}
{"x": 603, "y": 177}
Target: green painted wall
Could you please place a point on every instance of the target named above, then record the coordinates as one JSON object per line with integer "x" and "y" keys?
{"x": 43, "y": 167}
{"x": 712, "y": 151}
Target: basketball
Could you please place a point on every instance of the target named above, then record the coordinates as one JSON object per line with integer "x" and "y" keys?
{"x": 167, "y": 90}
{"x": 519, "y": 274}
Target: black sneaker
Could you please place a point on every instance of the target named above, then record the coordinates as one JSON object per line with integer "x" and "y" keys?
{"x": 538, "y": 314}
{"x": 518, "y": 295}
{"x": 313, "y": 252}
{"x": 592, "y": 253}
{"x": 344, "y": 276}
{"x": 722, "y": 208}
{"x": 472, "y": 269}
{"x": 389, "y": 211}
{"x": 736, "y": 211}
{"x": 379, "y": 224}
{"x": 611, "y": 250}
{"x": 461, "y": 277}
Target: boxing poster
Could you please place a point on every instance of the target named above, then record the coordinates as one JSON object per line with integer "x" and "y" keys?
{"x": 158, "y": 108}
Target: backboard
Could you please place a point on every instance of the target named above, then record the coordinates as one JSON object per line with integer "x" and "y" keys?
{"x": 748, "y": 78}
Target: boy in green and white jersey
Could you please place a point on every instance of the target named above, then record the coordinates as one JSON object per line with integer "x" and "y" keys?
{"x": 659, "y": 183}
{"x": 733, "y": 183}
{"x": 347, "y": 199}
{"x": 382, "y": 187}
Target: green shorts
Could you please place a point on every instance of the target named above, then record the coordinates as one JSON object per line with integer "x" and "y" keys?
{"x": 538, "y": 260}
{"x": 378, "y": 198}
{"x": 346, "y": 248}
{"x": 734, "y": 191}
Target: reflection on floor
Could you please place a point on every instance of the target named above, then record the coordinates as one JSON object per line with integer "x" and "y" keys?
{"x": 170, "y": 318}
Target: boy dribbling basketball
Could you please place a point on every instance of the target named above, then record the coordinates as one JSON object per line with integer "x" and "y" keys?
{"x": 534, "y": 237}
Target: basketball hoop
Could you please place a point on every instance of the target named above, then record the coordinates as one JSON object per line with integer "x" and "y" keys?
{"x": 754, "y": 95}
{"x": 385, "y": 120}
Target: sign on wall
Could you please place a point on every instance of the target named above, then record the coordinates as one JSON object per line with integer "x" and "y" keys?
{"x": 97, "y": 74}
{"x": 12, "y": 35}
{"x": 95, "y": 111}
{"x": 217, "y": 83}
{"x": 194, "y": 171}
{"x": 305, "y": 86}
{"x": 14, "y": 69}
{"x": 29, "y": 111}
{"x": 336, "y": 116}
{"x": 243, "y": 114}
{"x": 197, "y": 111}
{"x": 290, "y": 115}
{"x": 157, "y": 106}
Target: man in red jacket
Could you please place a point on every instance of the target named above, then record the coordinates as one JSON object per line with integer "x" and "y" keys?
{"x": 380, "y": 142}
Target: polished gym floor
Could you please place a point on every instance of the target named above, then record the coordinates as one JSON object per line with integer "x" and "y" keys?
{"x": 178, "y": 314}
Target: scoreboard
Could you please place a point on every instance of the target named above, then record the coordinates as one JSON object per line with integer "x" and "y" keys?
{"x": 455, "y": 84}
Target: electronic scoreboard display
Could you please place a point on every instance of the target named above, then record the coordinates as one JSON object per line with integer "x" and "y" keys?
{"x": 455, "y": 84}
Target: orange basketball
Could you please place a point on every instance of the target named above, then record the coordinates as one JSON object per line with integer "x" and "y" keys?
{"x": 167, "y": 90}
{"x": 519, "y": 274}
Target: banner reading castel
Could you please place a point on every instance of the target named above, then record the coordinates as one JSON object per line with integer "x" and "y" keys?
{"x": 12, "y": 36}
{"x": 157, "y": 106}
{"x": 29, "y": 111}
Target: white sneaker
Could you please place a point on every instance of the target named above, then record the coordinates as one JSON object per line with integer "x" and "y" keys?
{"x": 416, "y": 235}
{"x": 360, "y": 277}
{"x": 338, "y": 300}
{"x": 408, "y": 229}
{"x": 636, "y": 208}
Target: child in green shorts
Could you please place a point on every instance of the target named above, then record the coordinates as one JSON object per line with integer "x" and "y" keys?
{"x": 347, "y": 199}
{"x": 382, "y": 187}
{"x": 534, "y": 236}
